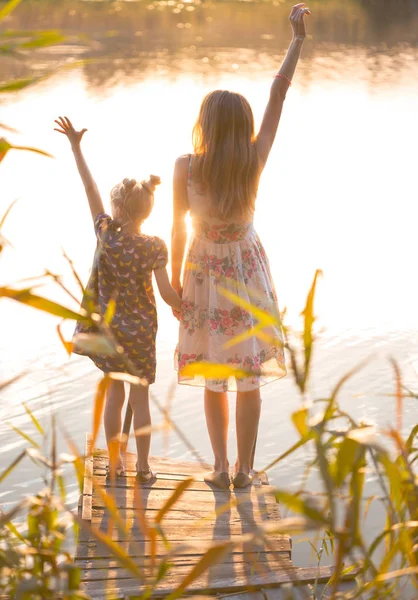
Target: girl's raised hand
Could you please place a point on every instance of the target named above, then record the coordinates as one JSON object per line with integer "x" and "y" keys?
{"x": 66, "y": 127}
{"x": 297, "y": 19}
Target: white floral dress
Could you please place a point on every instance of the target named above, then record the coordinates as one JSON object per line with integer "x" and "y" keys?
{"x": 227, "y": 256}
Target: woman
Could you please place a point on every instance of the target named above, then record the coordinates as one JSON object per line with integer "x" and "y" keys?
{"x": 218, "y": 185}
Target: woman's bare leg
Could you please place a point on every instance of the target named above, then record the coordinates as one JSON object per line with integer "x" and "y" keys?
{"x": 217, "y": 417}
{"x": 139, "y": 401}
{"x": 115, "y": 398}
{"x": 247, "y": 419}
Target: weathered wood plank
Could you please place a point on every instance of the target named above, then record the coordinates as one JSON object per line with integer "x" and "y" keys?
{"x": 184, "y": 559}
{"x": 165, "y": 465}
{"x": 136, "y": 548}
{"x": 235, "y": 581}
{"x": 256, "y": 502}
{"x": 165, "y": 481}
{"x": 177, "y": 529}
{"x": 88, "y": 480}
{"x": 232, "y": 515}
{"x": 179, "y": 572}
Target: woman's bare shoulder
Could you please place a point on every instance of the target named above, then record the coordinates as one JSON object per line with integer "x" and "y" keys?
{"x": 183, "y": 161}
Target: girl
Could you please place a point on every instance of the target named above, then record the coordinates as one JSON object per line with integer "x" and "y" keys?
{"x": 124, "y": 261}
{"x": 218, "y": 185}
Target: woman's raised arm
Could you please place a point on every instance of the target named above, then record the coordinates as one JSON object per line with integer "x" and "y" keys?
{"x": 281, "y": 84}
{"x": 75, "y": 137}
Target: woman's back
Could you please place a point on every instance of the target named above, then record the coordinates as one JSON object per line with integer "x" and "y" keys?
{"x": 206, "y": 223}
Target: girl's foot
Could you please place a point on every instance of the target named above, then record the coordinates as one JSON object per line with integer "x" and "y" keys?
{"x": 145, "y": 476}
{"x": 241, "y": 480}
{"x": 218, "y": 480}
{"x": 119, "y": 472}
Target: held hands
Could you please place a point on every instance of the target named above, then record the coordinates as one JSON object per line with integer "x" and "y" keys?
{"x": 297, "y": 20}
{"x": 66, "y": 127}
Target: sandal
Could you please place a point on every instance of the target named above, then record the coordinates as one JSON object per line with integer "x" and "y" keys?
{"x": 120, "y": 472}
{"x": 218, "y": 480}
{"x": 145, "y": 476}
{"x": 241, "y": 480}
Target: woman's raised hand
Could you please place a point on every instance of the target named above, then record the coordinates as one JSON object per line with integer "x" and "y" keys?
{"x": 297, "y": 20}
{"x": 66, "y": 127}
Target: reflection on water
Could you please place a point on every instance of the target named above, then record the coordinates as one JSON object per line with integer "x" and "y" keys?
{"x": 338, "y": 192}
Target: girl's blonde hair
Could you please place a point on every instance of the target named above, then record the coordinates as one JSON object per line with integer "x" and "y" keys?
{"x": 226, "y": 161}
{"x": 132, "y": 201}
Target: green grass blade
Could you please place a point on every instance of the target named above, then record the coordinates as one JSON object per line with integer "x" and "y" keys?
{"x": 33, "y": 419}
{"x": 24, "y": 435}
{"x": 12, "y": 466}
{"x": 53, "y": 308}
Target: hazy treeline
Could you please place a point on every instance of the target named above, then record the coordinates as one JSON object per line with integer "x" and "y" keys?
{"x": 139, "y": 37}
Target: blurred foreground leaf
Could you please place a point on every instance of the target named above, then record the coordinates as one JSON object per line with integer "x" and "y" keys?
{"x": 94, "y": 343}
{"x": 213, "y": 371}
{"x": 8, "y": 8}
{"x": 211, "y": 557}
{"x": 5, "y": 146}
{"x": 179, "y": 489}
{"x": 99, "y": 401}
{"x": 49, "y": 306}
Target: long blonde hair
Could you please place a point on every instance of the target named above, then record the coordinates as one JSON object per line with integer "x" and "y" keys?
{"x": 226, "y": 161}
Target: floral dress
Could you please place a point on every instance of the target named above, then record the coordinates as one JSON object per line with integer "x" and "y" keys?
{"x": 122, "y": 269}
{"x": 227, "y": 256}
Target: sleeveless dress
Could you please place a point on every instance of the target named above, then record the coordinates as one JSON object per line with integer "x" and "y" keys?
{"x": 226, "y": 255}
{"x": 123, "y": 265}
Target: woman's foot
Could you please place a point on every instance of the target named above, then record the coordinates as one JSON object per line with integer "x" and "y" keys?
{"x": 218, "y": 479}
{"x": 145, "y": 476}
{"x": 241, "y": 480}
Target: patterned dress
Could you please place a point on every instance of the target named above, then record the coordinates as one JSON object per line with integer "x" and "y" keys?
{"x": 122, "y": 269}
{"x": 227, "y": 256}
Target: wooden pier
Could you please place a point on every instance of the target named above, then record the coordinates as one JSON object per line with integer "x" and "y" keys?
{"x": 251, "y": 566}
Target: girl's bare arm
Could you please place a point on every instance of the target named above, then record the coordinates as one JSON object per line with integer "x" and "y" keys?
{"x": 74, "y": 137}
{"x": 281, "y": 83}
{"x": 168, "y": 293}
{"x": 179, "y": 230}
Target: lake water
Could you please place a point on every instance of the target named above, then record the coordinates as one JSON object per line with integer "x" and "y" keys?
{"x": 338, "y": 193}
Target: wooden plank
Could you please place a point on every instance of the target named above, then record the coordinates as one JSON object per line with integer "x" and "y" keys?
{"x": 297, "y": 592}
{"x": 231, "y": 515}
{"x": 185, "y": 560}
{"x": 215, "y": 581}
{"x": 165, "y": 465}
{"x": 177, "y": 529}
{"x": 165, "y": 481}
{"x": 256, "y": 501}
{"x": 88, "y": 480}
{"x": 179, "y": 572}
{"x": 135, "y": 548}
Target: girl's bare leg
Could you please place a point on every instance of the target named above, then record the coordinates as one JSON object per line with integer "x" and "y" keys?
{"x": 247, "y": 418}
{"x": 139, "y": 401}
{"x": 115, "y": 398}
{"x": 217, "y": 417}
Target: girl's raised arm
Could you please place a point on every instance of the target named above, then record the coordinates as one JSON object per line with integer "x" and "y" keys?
{"x": 95, "y": 201}
{"x": 281, "y": 83}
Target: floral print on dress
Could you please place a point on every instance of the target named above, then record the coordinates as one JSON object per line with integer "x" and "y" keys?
{"x": 221, "y": 268}
{"x": 229, "y": 255}
{"x": 222, "y": 233}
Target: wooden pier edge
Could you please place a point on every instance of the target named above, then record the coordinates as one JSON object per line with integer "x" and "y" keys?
{"x": 99, "y": 568}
